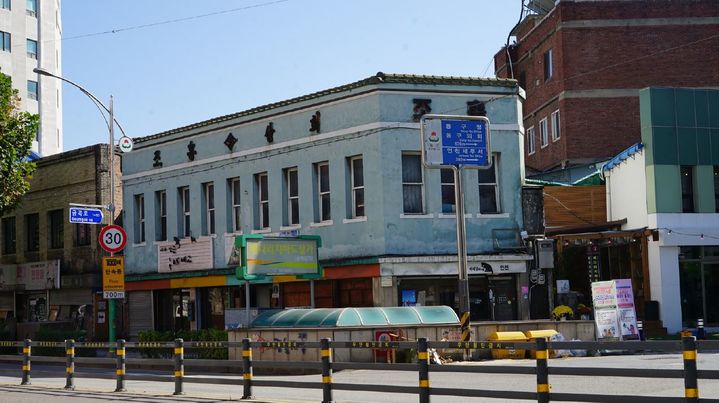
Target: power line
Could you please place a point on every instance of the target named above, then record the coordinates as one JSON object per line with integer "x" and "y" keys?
{"x": 175, "y": 20}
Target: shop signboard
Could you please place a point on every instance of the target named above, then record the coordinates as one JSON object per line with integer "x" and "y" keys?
{"x": 261, "y": 257}
{"x": 43, "y": 275}
{"x": 614, "y": 311}
{"x": 185, "y": 254}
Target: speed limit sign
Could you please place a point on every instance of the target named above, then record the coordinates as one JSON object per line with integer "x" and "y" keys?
{"x": 113, "y": 238}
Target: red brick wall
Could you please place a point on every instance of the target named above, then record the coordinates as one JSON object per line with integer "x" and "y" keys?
{"x": 609, "y": 58}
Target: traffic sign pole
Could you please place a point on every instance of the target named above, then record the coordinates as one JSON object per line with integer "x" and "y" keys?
{"x": 463, "y": 284}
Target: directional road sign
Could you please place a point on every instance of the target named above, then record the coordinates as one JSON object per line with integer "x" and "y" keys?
{"x": 84, "y": 215}
{"x": 456, "y": 141}
{"x": 113, "y": 238}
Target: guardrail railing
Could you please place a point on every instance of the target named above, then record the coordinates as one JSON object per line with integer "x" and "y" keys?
{"x": 689, "y": 347}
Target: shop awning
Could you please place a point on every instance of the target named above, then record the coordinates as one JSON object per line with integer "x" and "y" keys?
{"x": 357, "y": 317}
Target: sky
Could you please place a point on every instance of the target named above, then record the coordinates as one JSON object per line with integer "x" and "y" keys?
{"x": 253, "y": 52}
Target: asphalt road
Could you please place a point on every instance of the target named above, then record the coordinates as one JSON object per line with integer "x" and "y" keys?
{"x": 47, "y": 383}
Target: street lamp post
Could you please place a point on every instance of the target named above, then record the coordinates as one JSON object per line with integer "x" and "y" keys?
{"x": 111, "y": 206}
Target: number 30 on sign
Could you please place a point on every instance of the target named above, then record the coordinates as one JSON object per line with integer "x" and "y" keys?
{"x": 113, "y": 238}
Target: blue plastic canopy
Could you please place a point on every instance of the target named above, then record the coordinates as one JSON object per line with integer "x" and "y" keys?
{"x": 357, "y": 317}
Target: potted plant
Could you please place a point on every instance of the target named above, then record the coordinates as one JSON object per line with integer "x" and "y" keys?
{"x": 562, "y": 312}
{"x": 584, "y": 312}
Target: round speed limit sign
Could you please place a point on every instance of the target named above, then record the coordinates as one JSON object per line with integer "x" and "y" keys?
{"x": 113, "y": 238}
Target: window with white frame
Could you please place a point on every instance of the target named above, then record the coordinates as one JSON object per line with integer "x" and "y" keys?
{"x": 555, "y": 126}
{"x": 32, "y": 49}
{"x": 412, "y": 183}
{"x": 5, "y": 4}
{"x": 161, "y": 214}
{"x": 293, "y": 197}
{"x": 356, "y": 166}
{"x": 139, "y": 218}
{"x": 263, "y": 201}
{"x": 32, "y": 89}
{"x": 235, "y": 212}
{"x": 489, "y": 188}
{"x": 448, "y": 201}
{"x": 5, "y": 42}
{"x": 543, "y": 133}
{"x": 184, "y": 196}
{"x": 208, "y": 190}
{"x": 31, "y": 8}
{"x": 322, "y": 180}
{"x": 530, "y": 141}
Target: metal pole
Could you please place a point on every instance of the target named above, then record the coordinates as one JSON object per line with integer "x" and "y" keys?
{"x": 312, "y": 293}
{"x": 247, "y": 302}
{"x": 111, "y": 307}
{"x": 179, "y": 366}
{"x": 70, "y": 365}
{"x": 246, "y": 369}
{"x": 542, "y": 353}
{"x": 326, "y": 356}
{"x": 26, "y": 354}
{"x": 463, "y": 284}
{"x": 691, "y": 386}
{"x": 423, "y": 361}
{"x": 120, "y": 371}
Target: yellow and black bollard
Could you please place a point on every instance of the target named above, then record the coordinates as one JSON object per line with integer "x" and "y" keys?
{"x": 246, "y": 369}
{"x": 120, "y": 370}
{"x": 423, "y": 360}
{"x": 179, "y": 366}
{"x": 464, "y": 322}
{"x": 70, "y": 364}
{"x": 326, "y": 356}
{"x": 542, "y": 354}
{"x": 26, "y": 354}
{"x": 691, "y": 386}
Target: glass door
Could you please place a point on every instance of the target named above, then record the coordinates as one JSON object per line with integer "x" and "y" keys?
{"x": 690, "y": 288}
{"x": 711, "y": 293}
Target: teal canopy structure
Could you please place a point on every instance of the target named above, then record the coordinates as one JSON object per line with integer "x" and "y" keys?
{"x": 357, "y": 317}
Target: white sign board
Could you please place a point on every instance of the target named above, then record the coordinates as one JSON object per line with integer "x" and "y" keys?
{"x": 186, "y": 255}
{"x": 614, "y": 312}
{"x": 113, "y": 294}
{"x": 125, "y": 144}
{"x": 39, "y": 275}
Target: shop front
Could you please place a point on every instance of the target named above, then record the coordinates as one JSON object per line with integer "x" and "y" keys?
{"x": 498, "y": 284}
{"x": 699, "y": 284}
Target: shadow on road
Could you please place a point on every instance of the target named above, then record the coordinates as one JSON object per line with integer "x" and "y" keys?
{"x": 105, "y": 396}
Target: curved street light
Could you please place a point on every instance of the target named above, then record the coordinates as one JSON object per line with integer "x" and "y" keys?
{"x": 111, "y": 155}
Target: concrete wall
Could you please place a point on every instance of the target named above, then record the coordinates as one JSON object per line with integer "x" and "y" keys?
{"x": 481, "y": 331}
{"x": 621, "y": 201}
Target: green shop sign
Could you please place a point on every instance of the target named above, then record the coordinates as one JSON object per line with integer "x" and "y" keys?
{"x": 262, "y": 257}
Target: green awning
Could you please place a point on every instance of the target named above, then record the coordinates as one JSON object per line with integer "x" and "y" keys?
{"x": 357, "y": 317}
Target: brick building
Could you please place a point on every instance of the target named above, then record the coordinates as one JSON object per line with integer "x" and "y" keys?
{"x": 49, "y": 268}
{"x": 582, "y": 64}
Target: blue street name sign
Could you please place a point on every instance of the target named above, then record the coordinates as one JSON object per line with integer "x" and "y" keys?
{"x": 450, "y": 141}
{"x": 84, "y": 215}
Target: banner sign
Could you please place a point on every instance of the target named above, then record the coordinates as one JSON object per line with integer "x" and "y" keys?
{"x": 614, "y": 311}
{"x": 278, "y": 256}
{"x": 186, "y": 254}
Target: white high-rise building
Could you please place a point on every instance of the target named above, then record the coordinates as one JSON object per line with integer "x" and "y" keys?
{"x": 30, "y": 36}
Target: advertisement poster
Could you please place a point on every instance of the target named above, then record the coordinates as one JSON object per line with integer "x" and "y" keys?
{"x": 614, "y": 312}
{"x": 607, "y": 327}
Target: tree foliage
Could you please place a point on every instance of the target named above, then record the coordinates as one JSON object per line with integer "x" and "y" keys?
{"x": 17, "y": 131}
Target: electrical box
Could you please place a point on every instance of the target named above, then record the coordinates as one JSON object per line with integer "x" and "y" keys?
{"x": 545, "y": 253}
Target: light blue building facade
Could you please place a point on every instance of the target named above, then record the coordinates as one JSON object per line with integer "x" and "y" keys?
{"x": 343, "y": 164}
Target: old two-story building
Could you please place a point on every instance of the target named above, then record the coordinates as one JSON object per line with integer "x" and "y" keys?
{"x": 344, "y": 164}
{"x": 669, "y": 183}
{"x": 50, "y": 269}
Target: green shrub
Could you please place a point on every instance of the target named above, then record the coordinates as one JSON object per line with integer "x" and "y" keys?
{"x": 55, "y": 334}
{"x": 186, "y": 335}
